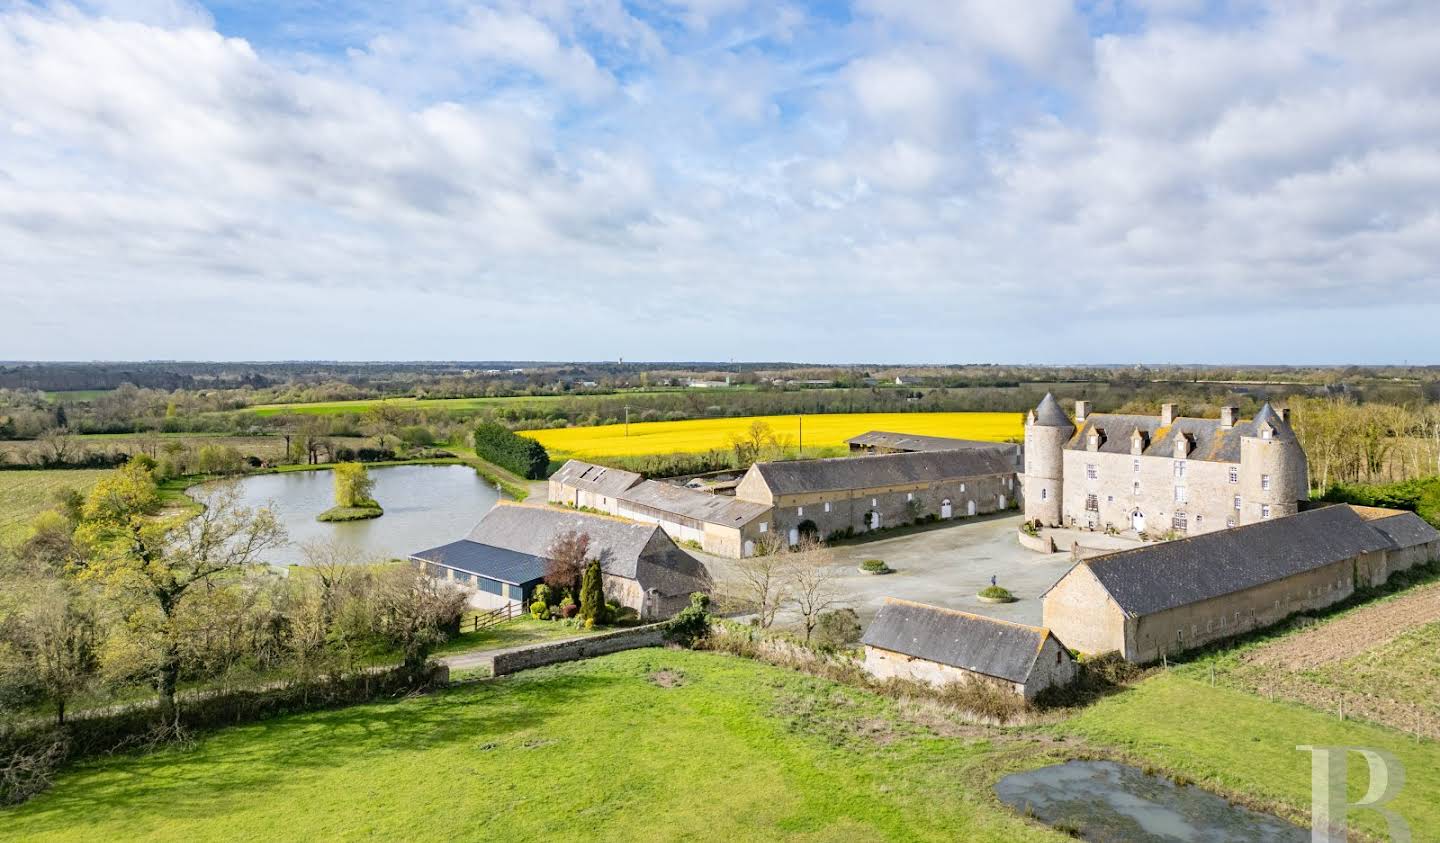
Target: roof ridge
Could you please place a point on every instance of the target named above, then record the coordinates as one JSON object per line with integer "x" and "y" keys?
{"x": 902, "y": 601}
{"x": 1227, "y": 531}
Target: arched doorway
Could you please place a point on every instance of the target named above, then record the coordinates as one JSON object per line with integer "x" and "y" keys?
{"x": 808, "y": 529}
{"x": 873, "y": 519}
{"x": 794, "y": 536}
{"x": 1137, "y": 521}
{"x": 969, "y": 507}
{"x": 946, "y": 510}
{"x": 1001, "y": 501}
{"x": 749, "y": 548}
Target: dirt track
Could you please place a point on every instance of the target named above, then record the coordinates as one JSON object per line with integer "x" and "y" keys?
{"x": 1353, "y": 634}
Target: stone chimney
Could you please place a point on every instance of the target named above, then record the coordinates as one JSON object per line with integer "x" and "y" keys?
{"x": 1167, "y": 414}
{"x": 1227, "y": 417}
{"x": 1082, "y": 411}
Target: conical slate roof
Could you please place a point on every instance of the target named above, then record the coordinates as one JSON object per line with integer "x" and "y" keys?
{"x": 1267, "y": 415}
{"x": 1049, "y": 414}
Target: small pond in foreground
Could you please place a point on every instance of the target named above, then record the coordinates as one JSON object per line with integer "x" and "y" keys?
{"x": 425, "y": 506}
{"x": 1106, "y": 801}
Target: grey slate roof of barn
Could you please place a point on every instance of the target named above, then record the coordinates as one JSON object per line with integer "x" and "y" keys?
{"x": 496, "y": 563}
{"x": 869, "y": 472}
{"x": 914, "y": 442}
{"x": 595, "y": 478}
{"x": 1163, "y": 576}
{"x": 984, "y": 645}
{"x": 701, "y": 506}
{"x": 1210, "y": 441}
{"x": 1405, "y": 529}
{"x": 1049, "y": 414}
{"x": 641, "y": 552}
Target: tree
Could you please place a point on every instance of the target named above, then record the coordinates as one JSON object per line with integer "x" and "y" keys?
{"x": 417, "y": 612}
{"x": 57, "y": 447}
{"x": 353, "y": 486}
{"x": 813, "y": 581}
{"x": 762, "y": 584}
{"x": 159, "y": 563}
{"x": 565, "y": 559}
{"x": 383, "y": 419}
{"x": 757, "y": 441}
{"x": 57, "y": 635}
{"x": 592, "y": 595}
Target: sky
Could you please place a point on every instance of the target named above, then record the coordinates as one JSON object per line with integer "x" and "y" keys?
{"x": 925, "y": 181}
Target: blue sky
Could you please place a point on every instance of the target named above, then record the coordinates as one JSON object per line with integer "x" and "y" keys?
{"x": 882, "y": 180}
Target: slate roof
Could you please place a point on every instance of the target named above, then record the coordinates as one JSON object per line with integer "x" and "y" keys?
{"x": 1405, "y": 529}
{"x": 700, "y": 506}
{"x": 1163, "y": 576}
{"x": 869, "y": 472}
{"x": 595, "y": 478}
{"x": 496, "y": 563}
{"x": 1211, "y": 442}
{"x": 1049, "y": 414}
{"x": 913, "y": 442}
{"x": 984, "y": 645}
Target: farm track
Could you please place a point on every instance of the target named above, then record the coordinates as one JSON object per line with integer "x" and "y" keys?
{"x": 1352, "y": 634}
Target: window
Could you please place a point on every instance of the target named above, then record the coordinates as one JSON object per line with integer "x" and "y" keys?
{"x": 1230, "y": 523}
{"x": 1090, "y": 472}
{"x": 489, "y": 586}
{"x": 1044, "y": 493}
{"x": 800, "y": 511}
{"x": 962, "y": 487}
{"x": 1109, "y": 498}
{"x": 1179, "y": 522}
{"x": 1092, "y": 503}
{"x": 1135, "y": 488}
{"x": 1237, "y": 503}
{"x": 1179, "y": 469}
{"x": 874, "y": 502}
{"x": 764, "y": 526}
{"x": 909, "y": 496}
{"x": 1180, "y": 494}
{"x": 1137, "y": 466}
{"x": 1265, "y": 433}
{"x": 1265, "y": 482}
{"x": 1264, "y": 510}
{"x": 1234, "y": 474}
{"x": 827, "y": 506}
{"x": 462, "y": 577}
{"x": 1198, "y": 520}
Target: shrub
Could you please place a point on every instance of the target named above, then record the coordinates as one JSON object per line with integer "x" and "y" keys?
{"x": 592, "y": 595}
{"x": 995, "y": 592}
{"x": 374, "y": 454}
{"x": 875, "y": 566}
{"x": 417, "y": 435}
{"x": 568, "y": 609}
{"x": 539, "y": 611}
{"x": 1031, "y": 528}
{"x": 543, "y": 594}
{"x": 498, "y": 444}
{"x": 838, "y": 629}
{"x": 692, "y": 624}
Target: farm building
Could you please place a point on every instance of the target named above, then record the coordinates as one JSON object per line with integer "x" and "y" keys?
{"x": 1175, "y": 596}
{"x": 494, "y": 576}
{"x": 858, "y": 494}
{"x": 719, "y": 524}
{"x": 885, "y": 442}
{"x": 643, "y": 568}
{"x": 934, "y": 645}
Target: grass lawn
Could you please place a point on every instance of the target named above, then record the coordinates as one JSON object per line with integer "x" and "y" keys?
{"x": 826, "y": 431}
{"x": 514, "y": 633}
{"x": 1244, "y": 743}
{"x": 25, "y": 494}
{"x": 644, "y": 745}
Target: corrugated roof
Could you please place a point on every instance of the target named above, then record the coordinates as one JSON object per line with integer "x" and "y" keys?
{"x": 486, "y": 560}
{"x": 984, "y": 645}
{"x": 1049, "y": 414}
{"x": 1405, "y": 529}
{"x": 595, "y": 478}
{"x": 1163, "y": 576}
{"x": 914, "y": 442}
{"x": 1209, "y": 440}
{"x": 869, "y": 472}
{"x": 701, "y": 506}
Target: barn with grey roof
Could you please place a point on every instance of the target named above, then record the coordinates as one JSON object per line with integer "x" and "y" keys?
{"x": 931, "y": 644}
{"x": 1174, "y": 596}
{"x": 886, "y": 442}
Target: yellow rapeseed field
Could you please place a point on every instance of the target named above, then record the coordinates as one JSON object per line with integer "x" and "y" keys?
{"x": 822, "y": 432}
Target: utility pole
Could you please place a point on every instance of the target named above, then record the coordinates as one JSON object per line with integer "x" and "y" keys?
{"x": 801, "y": 454}
{"x": 627, "y": 419}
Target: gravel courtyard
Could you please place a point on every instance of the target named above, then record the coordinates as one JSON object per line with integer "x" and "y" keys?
{"x": 944, "y": 566}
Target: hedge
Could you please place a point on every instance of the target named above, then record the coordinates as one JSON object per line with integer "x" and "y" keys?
{"x": 498, "y": 444}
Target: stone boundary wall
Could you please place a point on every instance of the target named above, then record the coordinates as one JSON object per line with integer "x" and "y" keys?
{"x": 503, "y": 662}
{"x": 1039, "y": 544}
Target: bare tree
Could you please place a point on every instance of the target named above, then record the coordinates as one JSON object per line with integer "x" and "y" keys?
{"x": 565, "y": 559}
{"x": 812, "y": 580}
{"x": 57, "y": 446}
{"x": 57, "y": 635}
{"x": 763, "y": 584}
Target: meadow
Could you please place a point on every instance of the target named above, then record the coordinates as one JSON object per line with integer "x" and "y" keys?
{"x": 458, "y": 406}
{"x": 25, "y": 494}
{"x": 823, "y": 435}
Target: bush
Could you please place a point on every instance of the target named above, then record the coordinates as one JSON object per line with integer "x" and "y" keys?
{"x": 498, "y": 444}
{"x": 995, "y": 592}
{"x": 568, "y": 609}
{"x": 692, "y": 624}
{"x": 838, "y": 629}
{"x": 592, "y": 596}
{"x": 875, "y": 566}
{"x": 374, "y": 454}
{"x": 417, "y": 435}
{"x": 539, "y": 611}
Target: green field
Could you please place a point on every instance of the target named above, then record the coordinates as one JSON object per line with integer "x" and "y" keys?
{"x": 455, "y": 405}
{"x": 645, "y": 745}
{"x": 25, "y": 494}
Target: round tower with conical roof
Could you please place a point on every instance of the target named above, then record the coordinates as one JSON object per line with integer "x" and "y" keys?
{"x": 1274, "y": 474}
{"x": 1047, "y": 429}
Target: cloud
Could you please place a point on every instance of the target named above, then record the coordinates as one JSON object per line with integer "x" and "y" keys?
{"x": 716, "y": 179}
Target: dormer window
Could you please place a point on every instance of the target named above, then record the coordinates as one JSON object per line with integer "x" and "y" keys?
{"x": 1138, "y": 442}
{"x": 1266, "y": 433}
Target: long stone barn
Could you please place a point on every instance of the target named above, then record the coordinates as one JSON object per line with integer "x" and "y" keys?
{"x": 940, "y": 646}
{"x": 1176, "y": 596}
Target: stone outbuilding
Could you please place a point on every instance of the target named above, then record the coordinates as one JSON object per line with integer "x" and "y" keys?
{"x": 938, "y": 646}
{"x": 859, "y": 494}
{"x": 1174, "y": 596}
{"x": 643, "y": 568}
{"x": 886, "y": 442}
{"x": 590, "y": 486}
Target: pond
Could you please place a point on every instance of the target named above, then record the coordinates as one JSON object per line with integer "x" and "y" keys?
{"x": 1103, "y": 800}
{"x": 425, "y": 506}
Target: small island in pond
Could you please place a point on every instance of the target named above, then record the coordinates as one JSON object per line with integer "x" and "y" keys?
{"x": 353, "y": 490}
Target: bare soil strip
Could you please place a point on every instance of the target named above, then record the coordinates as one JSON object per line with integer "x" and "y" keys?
{"x": 1352, "y": 634}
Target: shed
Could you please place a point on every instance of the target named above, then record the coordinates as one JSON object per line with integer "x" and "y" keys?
{"x": 495, "y": 575}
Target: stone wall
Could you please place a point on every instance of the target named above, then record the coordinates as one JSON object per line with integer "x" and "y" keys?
{"x": 1039, "y": 544}
{"x": 1209, "y": 503}
{"x": 515, "y": 659}
{"x": 835, "y": 512}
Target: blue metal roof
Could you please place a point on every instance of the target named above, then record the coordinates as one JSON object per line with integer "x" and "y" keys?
{"x": 485, "y": 560}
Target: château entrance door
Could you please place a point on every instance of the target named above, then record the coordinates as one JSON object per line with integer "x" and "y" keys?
{"x": 1137, "y": 521}
{"x": 946, "y": 511}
